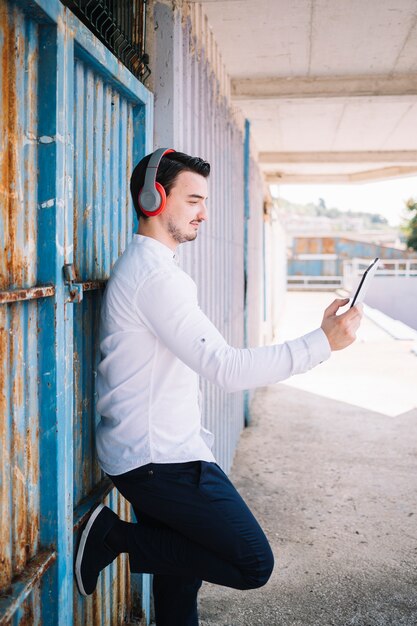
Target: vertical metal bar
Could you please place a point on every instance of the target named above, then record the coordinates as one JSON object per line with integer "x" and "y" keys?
{"x": 128, "y": 171}
{"x": 65, "y": 171}
{"x": 143, "y": 42}
{"x": 19, "y": 512}
{"x": 6, "y": 47}
{"x": 31, "y": 309}
{"x": 7, "y": 70}
{"x": 264, "y": 271}
{"x": 122, "y": 173}
{"x": 245, "y": 251}
{"x": 114, "y": 158}
{"x": 78, "y": 256}
{"x": 56, "y": 363}
{"x": 87, "y": 267}
{"x": 98, "y": 182}
{"x": 142, "y": 133}
{"x": 106, "y": 208}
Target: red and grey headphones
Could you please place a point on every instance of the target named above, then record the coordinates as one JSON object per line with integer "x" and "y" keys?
{"x": 152, "y": 197}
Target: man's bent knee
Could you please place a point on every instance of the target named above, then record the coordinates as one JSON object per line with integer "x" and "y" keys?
{"x": 259, "y": 576}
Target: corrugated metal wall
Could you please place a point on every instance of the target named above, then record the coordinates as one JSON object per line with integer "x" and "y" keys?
{"x": 216, "y": 260}
{"x": 259, "y": 318}
{"x": 102, "y": 225}
{"x": 73, "y": 120}
{"x": 193, "y": 113}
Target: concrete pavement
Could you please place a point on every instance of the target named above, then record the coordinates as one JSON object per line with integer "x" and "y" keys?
{"x": 329, "y": 467}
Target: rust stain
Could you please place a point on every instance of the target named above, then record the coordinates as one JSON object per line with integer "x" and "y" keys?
{"x": 27, "y": 618}
{"x": 16, "y": 356}
{"x": 32, "y": 575}
{"x": 128, "y": 595}
{"x": 15, "y": 262}
{"x": 19, "y": 517}
{"x": 31, "y": 223}
{"x": 328, "y": 245}
{"x": 4, "y": 339}
{"x": 6, "y": 104}
{"x": 5, "y": 561}
{"x": 29, "y": 293}
{"x": 91, "y": 285}
{"x": 87, "y": 215}
{"x": 313, "y": 245}
{"x": 19, "y": 512}
{"x": 97, "y": 600}
{"x": 32, "y": 461}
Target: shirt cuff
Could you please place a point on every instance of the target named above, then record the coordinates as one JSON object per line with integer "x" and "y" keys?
{"x": 318, "y": 346}
{"x": 308, "y": 351}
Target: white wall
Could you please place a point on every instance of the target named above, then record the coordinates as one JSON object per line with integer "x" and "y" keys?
{"x": 396, "y": 297}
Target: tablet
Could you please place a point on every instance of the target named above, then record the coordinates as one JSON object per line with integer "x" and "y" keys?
{"x": 364, "y": 283}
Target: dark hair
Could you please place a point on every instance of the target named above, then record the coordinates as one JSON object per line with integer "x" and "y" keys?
{"x": 169, "y": 167}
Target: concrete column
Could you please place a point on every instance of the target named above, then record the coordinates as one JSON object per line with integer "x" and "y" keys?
{"x": 167, "y": 70}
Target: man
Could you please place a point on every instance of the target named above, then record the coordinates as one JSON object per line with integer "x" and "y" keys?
{"x": 155, "y": 342}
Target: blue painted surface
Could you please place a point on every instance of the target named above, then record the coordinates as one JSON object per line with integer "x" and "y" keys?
{"x": 80, "y": 122}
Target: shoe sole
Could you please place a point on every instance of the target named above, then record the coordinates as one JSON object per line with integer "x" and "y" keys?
{"x": 81, "y": 547}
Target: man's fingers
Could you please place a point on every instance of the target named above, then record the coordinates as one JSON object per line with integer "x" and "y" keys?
{"x": 335, "y": 306}
{"x": 341, "y": 329}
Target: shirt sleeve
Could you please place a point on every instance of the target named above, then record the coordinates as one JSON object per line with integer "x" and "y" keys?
{"x": 167, "y": 303}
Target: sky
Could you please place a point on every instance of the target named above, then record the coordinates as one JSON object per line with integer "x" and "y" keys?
{"x": 384, "y": 197}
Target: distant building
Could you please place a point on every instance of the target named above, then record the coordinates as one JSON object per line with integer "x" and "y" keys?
{"x": 323, "y": 254}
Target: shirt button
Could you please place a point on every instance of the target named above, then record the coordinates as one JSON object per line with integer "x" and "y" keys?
{"x": 150, "y": 473}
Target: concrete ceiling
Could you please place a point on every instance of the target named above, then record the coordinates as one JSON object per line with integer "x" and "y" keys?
{"x": 329, "y": 86}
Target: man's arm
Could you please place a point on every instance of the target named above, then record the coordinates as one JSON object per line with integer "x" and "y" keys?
{"x": 167, "y": 304}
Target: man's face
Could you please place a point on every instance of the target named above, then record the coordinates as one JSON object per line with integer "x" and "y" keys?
{"x": 186, "y": 207}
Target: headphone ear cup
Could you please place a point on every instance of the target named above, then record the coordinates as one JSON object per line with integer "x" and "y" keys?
{"x": 152, "y": 202}
{"x": 163, "y": 195}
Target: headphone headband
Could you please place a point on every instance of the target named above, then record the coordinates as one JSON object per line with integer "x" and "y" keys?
{"x": 152, "y": 196}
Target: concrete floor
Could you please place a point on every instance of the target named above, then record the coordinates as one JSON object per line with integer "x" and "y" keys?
{"x": 329, "y": 467}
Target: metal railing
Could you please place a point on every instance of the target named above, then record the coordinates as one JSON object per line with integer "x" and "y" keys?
{"x": 295, "y": 283}
{"x": 354, "y": 268}
{"x": 121, "y": 26}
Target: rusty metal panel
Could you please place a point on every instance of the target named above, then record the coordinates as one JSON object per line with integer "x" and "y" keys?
{"x": 107, "y": 121}
{"x": 19, "y": 441}
{"x": 55, "y": 81}
{"x": 102, "y": 226}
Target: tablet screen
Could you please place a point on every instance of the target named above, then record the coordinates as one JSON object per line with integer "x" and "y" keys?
{"x": 364, "y": 283}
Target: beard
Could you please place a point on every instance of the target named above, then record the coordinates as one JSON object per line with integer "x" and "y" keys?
{"x": 178, "y": 235}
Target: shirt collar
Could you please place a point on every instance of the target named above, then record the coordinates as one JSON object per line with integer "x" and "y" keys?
{"x": 158, "y": 246}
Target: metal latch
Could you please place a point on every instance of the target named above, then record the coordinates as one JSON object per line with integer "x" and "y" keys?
{"x": 70, "y": 279}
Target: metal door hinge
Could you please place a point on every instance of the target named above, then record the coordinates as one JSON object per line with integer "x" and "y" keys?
{"x": 70, "y": 279}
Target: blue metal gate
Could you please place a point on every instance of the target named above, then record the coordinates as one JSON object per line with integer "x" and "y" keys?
{"x": 73, "y": 122}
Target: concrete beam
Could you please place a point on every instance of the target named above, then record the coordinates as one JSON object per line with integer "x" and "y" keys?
{"x": 370, "y": 156}
{"x": 323, "y": 87}
{"x": 282, "y": 178}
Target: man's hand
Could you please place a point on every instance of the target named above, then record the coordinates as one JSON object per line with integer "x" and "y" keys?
{"x": 341, "y": 329}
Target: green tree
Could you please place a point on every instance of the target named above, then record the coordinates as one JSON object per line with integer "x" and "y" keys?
{"x": 411, "y": 226}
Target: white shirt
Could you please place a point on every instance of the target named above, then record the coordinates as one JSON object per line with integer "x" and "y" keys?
{"x": 155, "y": 342}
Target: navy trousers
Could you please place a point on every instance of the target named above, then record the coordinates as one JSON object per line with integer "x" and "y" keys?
{"x": 192, "y": 526}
